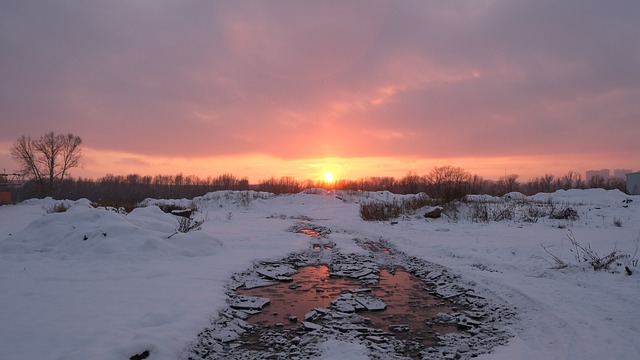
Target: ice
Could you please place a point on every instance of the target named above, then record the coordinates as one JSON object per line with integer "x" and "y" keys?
{"x": 371, "y": 303}
{"x": 249, "y": 302}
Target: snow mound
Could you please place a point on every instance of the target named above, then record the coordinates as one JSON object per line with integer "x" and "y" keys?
{"x": 89, "y": 232}
{"x": 586, "y": 196}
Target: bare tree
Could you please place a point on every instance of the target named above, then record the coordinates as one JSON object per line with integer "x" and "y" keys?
{"x": 48, "y": 159}
{"x": 509, "y": 183}
{"x": 572, "y": 180}
{"x": 449, "y": 182}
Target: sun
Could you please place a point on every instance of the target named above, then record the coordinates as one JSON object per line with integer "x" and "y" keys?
{"x": 328, "y": 177}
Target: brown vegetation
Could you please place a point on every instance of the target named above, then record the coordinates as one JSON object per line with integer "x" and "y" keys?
{"x": 443, "y": 184}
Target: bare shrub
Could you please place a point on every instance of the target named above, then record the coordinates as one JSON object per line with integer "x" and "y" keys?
{"x": 586, "y": 254}
{"x": 119, "y": 206}
{"x": 187, "y": 224}
{"x": 451, "y": 210}
{"x": 534, "y": 212}
{"x": 479, "y": 212}
{"x": 617, "y": 222}
{"x": 380, "y": 210}
{"x": 559, "y": 264}
{"x": 58, "y": 208}
{"x": 568, "y": 213}
{"x": 410, "y": 205}
{"x": 632, "y": 261}
{"x": 386, "y": 210}
{"x": 502, "y": 213}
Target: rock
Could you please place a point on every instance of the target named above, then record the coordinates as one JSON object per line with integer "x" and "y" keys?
{"x": 433, "y": 213}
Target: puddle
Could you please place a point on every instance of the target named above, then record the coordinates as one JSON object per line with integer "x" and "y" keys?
{"x": 312, "y": 287}
{"x": 310, "y": 232}
{"x": 408, "y": 305}
{"x": 378, "y": 248}
{"x": 285, "y": 309}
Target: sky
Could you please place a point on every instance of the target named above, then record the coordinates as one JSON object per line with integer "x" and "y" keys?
{"x": 298, "y": 88}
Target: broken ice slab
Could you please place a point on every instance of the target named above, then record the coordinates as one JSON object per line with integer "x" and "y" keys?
{"x": 256, "y": 283}
{"x": 399, "y": 328}
{"x": 376, "y": 339}
{"x": 311, "y": 326}
{"x": 249, "y": 302}
{"x": 371, "y": 303}
{"x": 433, "y": 275}
{"x": 467, "y": 322}
{"x": 276, "y": 272}
{"x": 476, "y": 314}
{"x": 448, "y": 291}
{"x": 234, "y": 313}
{"x": 351, "y": 327}
{"x": 361, "y": 273}
{"x": 233, "y": 330}
{"x": 311, "y": 315}
{"x": 347, "y": 267}
{"x": 361, "y": 290}
{"x": 344, "y": 305}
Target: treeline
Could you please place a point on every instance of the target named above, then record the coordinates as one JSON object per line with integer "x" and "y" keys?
{"x": 119, "y": 190}
{"x": 445, "y": 182}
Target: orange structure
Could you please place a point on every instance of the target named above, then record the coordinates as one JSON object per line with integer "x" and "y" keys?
{"x": 5, "y": 197}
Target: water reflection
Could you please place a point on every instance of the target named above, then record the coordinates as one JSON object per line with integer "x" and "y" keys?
{"x": 409, "y": 305}
{"x": 310, "y": 232}
{"x": 312, "y": 287}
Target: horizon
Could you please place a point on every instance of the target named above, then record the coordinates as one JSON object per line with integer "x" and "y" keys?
{"x": 355, "y": 88}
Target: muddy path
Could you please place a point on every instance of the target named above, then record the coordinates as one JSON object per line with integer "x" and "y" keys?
{"x": 398, "y": 306}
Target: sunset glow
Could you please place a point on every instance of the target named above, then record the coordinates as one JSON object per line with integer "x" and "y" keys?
{"x": 328, "y": 177}
{"x": 266, "y": 90}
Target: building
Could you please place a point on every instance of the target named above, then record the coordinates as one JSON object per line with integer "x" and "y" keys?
{"x": 5, "y": 197}
{"x": 633, "y": 183}
{"x": 604, "y": 174}
{"x": 6, "y": 184}
{"x": 621, "y": 173}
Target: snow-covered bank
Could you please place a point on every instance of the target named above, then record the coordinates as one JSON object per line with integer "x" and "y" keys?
{"x": 93, "y": 283}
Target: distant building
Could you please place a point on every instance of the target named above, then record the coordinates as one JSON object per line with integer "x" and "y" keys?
{"x": 633, "y": 183}
{"x": 6, "y": 184}
{"x": 621, "y": 173}
{"x": 604, "y": 173}
{"x": 5, "y": 197}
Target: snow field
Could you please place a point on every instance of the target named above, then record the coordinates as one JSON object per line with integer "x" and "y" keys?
{"x": 129, "y": 288}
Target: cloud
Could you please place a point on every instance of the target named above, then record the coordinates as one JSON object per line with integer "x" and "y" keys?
{"x": 295, "y": 80}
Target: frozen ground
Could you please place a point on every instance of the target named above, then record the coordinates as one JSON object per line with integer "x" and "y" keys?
{"x": 95, "y": 284}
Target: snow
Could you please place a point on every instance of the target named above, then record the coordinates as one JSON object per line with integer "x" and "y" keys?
{"x": 95, "y": 283}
